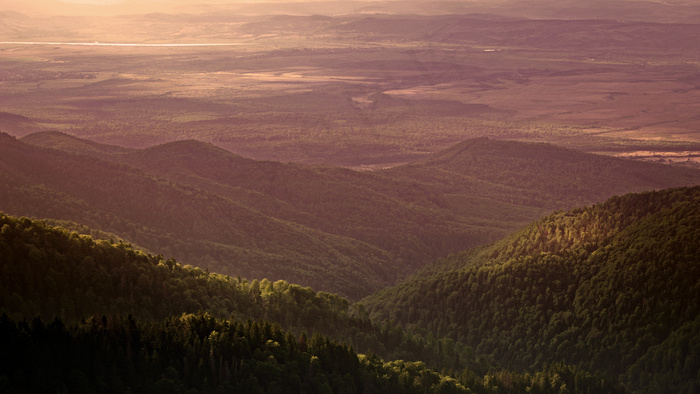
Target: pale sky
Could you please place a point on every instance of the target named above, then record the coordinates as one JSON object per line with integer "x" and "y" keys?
{"x": 102, "y": 7}
{"x": 67, "y": 7}
{"x": 98, "y": 2}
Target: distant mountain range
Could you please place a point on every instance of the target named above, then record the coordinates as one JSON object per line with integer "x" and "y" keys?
{"x": 330, "y": 228}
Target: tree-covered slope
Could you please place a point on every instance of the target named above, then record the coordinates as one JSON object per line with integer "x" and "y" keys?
{"x": 181, "y": 355}
{"x": 93, "y": 346}
{"x": 180, "y": 220}
{"x": 200, "y": 354}
{"x": 473, "y": 193}
{"x": 612, "y": 288}
{"x": 408, "y": 219}
{"x": 52, "y": 272}
{"x": 398, "y": 217}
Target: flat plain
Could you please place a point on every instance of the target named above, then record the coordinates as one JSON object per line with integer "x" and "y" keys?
{"x": 362, "y": 91}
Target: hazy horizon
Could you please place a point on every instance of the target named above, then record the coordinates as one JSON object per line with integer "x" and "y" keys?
{"x": 668, "y": 11}
{"x": 125, "y": 7}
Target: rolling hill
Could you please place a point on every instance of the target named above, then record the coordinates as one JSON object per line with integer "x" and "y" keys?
{"x": 183, "y": 221}
{"x": 91, "y": 344}
{"x": 362, "y": 206}
{"x": 385, "y": 223}
{"x": 538, "y": 174}
{"x": 59, "y": 273}
{"x": 612, "y": 288}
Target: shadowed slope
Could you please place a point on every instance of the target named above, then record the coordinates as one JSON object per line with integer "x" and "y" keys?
{"x": 183, "y": 221}
{"x": 538, "y": 174}
{"x": 470, "y": 194}
{"x": 403, "y": 217}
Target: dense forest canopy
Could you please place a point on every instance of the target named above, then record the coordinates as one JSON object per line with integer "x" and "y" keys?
{"x": 201, "y": 354}
{"x": 330, "y": 228}
{"x": 603, "y": 288}
{"x": 115, "y": 319}
{"x": 612, "y": 288}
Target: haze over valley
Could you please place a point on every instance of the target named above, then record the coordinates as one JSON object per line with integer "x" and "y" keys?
{"x": 356, "y": 87}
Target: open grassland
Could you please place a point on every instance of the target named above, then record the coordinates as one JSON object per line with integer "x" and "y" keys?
{"x": 363, "y": 92}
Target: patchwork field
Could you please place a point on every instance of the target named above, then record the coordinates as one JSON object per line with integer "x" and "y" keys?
{"x": 358, "y": 91}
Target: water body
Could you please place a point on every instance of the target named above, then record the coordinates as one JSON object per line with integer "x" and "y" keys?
{"x": 107, "y": 44}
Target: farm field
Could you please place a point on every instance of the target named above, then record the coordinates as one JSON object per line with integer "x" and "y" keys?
{"x": 359, "y": 91}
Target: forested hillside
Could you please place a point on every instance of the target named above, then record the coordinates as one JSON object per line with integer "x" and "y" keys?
{"x": 195, "y": 354}
{"x": 331, "y": 228}
{"x": 612, "y": 288}
{"x": 113, "y": 322}
{"x": 52, "y": 272}
{"x": 200, "y": 354}
{"x": 179, "y": 220}
{"x": 406, "y": 218}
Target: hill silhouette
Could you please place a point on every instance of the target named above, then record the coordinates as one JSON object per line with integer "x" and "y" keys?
{"x": 539, "y": 174}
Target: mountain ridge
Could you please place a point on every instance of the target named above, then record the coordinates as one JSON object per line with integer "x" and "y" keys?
{"x": 398, "y": 219}
{"x": 155, "y": 212}
{"x": 604, "y": 287}
{"x": 558, "y": 177}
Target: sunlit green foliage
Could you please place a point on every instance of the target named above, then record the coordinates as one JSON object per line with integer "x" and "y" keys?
{"x": 611, "y": 288}
{"x": 64, "y": 276}
{"x": 51, "y": 272}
